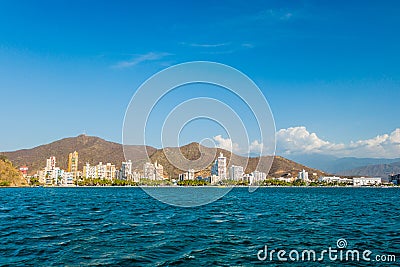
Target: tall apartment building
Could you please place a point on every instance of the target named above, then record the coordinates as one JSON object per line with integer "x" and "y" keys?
{"x": 73, "y": 160}
{"x": 303, "y": 175}
{"x": 221, "y": 166}
{"x": 126, "y": 170}
{"x": 153, "y": 171}
{"x": 110, "y": 171}
{"x": 236, "y": 173}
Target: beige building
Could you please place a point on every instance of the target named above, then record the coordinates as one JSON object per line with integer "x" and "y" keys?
{"x": 73, "y": 163}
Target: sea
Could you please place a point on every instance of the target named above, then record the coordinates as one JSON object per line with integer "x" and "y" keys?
{"x": 124, "y": 226}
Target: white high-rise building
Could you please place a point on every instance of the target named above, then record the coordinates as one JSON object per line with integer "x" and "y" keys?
{"x": 221, "y": 167}
{"x": 236, "y": 173}
{"x": 136, "y": 177}
{"x": 256, "y": 177}
{"x": 153, "y": 171}
{"x": 126, "y": 170}
{"x": 303, "y": 175}
{"x": 51, "y": 173}
{"x": 189, "y": 175}
{"x": 50, "y": 163}
{"x": 89, "y": 171}
{"x": 101, "y": 170}
{"x": 159, "y": 171}
{"x": 149, "y": 171}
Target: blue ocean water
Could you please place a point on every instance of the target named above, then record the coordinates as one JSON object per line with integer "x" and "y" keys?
{"x": 126, "y": 227}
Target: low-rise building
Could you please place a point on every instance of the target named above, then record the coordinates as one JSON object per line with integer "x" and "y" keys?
{"x": 334, "y": 179}
{"x": 363, "y": 181}
{"x": 67, "y": 179}
{"x": 285, "y": 179}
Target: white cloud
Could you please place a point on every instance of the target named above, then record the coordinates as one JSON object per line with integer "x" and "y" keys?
{"x": 256, "y": 147}
{"x": 297, "y": 140}
{"x": 209, "y": 45}
{"x": 151, "y": 56}
{"x": 226, "y": 143}
{"x": 273, "y": 15}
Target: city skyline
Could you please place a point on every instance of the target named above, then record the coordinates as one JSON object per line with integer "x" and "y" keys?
{"x": 324, "y": 69}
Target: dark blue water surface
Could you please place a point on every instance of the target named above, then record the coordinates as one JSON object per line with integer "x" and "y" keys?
{"x": 126, "y": 227}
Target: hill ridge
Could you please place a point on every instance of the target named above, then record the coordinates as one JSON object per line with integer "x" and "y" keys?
{"x": 94, "y": 149}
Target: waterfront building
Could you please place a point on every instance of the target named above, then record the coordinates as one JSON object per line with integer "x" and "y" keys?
{"x": 335, "y": 179}
{"x": 159, "y": 171}
{"x": 89, "y": 171}
{"x": 67, "y": 179}
{"x": 183, "y": 176}
{"x": 214, "y": 179}
{"x": 110, "y": 171}
{"x": 149, "y": 171}
{"x": 50, "y": 174}
{"x": 214, "y": 168}
{"x": 303, "y": 175}
{"x": 394, "y": 178}
{"x": 219, "y": 168}
{"x": 73, "y": 159}
{"x": 101, "y": 170}
{"x": 126, "y": 170}
{"x": 363, "y": 181}
{"x": 189, "y": 175}
{"x": 50, "y": 163}
{"x": 330, "y": 179}
{"x": 346, "y": 180}
{"x": 24, "y": 171}
{"x": 285, "y": 179}
{"x": 153, "y": 171}
{"x": 136, "y": 177}
{"x": 222, "y": 166}
{"x": 246, "y": 177}
{"x": 236, "y": 173}
{"x": 256, "y": 177}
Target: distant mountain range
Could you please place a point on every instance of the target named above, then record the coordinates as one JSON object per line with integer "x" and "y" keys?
{"x": 377, "y": 170}
{"x": 337, "y": 165}
{"x": 94, "y": 149}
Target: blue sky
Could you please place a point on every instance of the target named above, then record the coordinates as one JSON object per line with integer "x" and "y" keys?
{"x": 71, "y": 66}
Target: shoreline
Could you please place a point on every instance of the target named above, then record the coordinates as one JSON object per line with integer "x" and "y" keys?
{"x": 205, "y": 186}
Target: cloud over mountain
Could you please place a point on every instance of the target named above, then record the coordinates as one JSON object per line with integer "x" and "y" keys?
{"x": 298, "y": 140}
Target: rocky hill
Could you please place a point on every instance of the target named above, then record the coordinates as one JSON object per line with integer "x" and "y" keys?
{"x": 9, "y": 175}
{"x": 90, "y": 148}
{"x": 93, "y": 150}
{"x": 193, "y": 151}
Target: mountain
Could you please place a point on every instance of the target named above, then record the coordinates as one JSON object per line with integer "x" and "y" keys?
{"x": 94, "y": 149}
{"x": 334, "y": 164}
{"x": 9, "y": 175}
{"x": 91, "y": 149}
{"x": 377, "y": 170}
{"x": 193, "y": 151}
